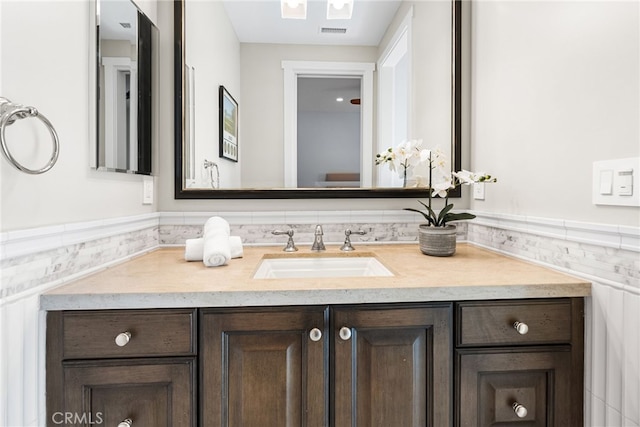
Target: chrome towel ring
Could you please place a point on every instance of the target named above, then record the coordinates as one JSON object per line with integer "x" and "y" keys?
{"x": 9, "y": 113}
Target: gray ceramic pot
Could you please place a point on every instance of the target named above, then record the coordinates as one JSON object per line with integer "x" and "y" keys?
{"x": 437, "y": 241}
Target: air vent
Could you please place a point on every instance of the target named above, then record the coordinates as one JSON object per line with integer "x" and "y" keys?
{"x": 328, "y": 30}
{"x": 125, "y": 25}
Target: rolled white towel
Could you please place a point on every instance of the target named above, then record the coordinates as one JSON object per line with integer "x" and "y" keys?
{"x": 194, "y": 248}
{"x": 216, "y": 223}
{"x": 236, "y": 247}
{"x": 217, "y": 250}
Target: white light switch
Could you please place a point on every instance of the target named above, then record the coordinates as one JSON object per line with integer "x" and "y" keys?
{"x": 625, "y": 183}
{"x": 147, "y": 190}
{"x": 478, "y": 191}
{"x": 606, "y": 182}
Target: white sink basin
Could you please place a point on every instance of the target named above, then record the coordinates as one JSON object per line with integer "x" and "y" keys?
{"x": 309, "y": 267}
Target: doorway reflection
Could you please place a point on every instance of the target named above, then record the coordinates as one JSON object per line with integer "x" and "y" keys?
{"x": 329, "y": 132}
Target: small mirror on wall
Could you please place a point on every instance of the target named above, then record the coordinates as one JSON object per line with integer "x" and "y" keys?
{"x": 125, "y": 67}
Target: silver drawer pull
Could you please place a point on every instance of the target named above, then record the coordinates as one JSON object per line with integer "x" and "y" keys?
{"x": 126, "y": 423}
{"x": 315, "y": 334}
{"x": 345, "y": 333}
{"x": 122, "y": 339}
{"x": 521, "y": 327}
{"x": 520, "y": 410}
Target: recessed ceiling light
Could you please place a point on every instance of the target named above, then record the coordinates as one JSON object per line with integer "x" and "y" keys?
{"x": 339, "y": 9}
{"x": 293, "y": 9}
{"x": 340, "y": 99}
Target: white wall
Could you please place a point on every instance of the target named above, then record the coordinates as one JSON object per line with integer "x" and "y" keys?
{"x": 555, "y": 87}
{"x": 36, "y": 71}
{"x": 210, "y": 37}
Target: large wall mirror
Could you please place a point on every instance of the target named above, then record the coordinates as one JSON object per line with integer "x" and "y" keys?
{"x": 274, "y": 107}
{"x": 126, "y": 43}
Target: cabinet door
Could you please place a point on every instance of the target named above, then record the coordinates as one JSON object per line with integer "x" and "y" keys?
{"x": 264, "y": 368}
{"x": 392, "y": 366}
{"x": 516, "y": 387}
{"x": 150, "y": 393}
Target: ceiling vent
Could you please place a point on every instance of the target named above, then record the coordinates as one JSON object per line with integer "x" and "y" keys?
{"x": 329, "y": 30}
{"x": 125, "y": 25}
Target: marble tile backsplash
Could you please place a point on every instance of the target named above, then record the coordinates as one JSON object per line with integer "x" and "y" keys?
{"x": 261, "y": 234}
{"x": 25, "y": 272}
{"x": 603, "y": 262}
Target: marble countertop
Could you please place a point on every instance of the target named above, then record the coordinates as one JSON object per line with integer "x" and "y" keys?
{"x": 163, "y": 279}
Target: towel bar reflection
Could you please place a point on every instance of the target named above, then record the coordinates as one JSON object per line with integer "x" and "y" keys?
{"x": 9, "y": 113}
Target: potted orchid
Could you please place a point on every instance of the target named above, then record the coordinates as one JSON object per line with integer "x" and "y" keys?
{"x": 429, "y": 168}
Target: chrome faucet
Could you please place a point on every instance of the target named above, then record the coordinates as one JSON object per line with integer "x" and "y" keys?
{"x": 347, "y": 247}
{"x": 318, "y": 244}
{"x": 291, "y": 246}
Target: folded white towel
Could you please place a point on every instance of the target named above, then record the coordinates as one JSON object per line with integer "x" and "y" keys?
{"x": 216, "y": 250}
{"x": 194, "y": 248}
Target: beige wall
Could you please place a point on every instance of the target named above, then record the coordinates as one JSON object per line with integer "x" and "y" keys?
{"x": 556, "y": 86}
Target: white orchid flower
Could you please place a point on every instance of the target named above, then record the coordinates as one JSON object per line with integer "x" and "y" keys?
{"x": 465, "y": 177}
{"x": 440, "y": 188}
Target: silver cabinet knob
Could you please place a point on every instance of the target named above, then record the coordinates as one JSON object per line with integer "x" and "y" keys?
{"x": 345, "y": 333}
{"x": 520, "y": 410}
{"x": 315, "y": 334}
{"x": 122, "y": 339}
{"x": 126, "y": 423}
{"x": 521, "y": 327}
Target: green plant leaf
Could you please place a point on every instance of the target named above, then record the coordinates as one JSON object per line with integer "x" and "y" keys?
{"x": 433, "y": 218}
{"x": 457, "y": 217}
{"x": 443, "y": 213}
{"x": 424, "y": 214}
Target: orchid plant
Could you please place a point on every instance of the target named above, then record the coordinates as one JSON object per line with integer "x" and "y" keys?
{"x": 421, "y": 167}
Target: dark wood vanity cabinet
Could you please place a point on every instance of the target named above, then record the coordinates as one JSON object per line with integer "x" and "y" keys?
{"x": 121, "y": 368}
{"x": 263, "y": 367}
{"x": 463, "y": 364}
{"x": 391, "y": 366}
{"x": 319, "y": 366}
{"x": 520, "y": 363}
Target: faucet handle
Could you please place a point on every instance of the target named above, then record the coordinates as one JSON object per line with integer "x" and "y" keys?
{"x": 347, "y": 247}
{"x": 291, "y": 246}
{"x": 318, "y": 244}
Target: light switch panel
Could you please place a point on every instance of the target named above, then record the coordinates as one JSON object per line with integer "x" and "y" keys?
{"x": 614, "y": 182}
{"x": 147, "y": 190}
{"x": 478, "y": 191}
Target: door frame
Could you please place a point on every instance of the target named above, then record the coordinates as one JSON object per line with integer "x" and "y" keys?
{"x": 295, "y": 69}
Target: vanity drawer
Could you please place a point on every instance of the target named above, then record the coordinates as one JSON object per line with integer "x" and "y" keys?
{"x": 494, "y": 322}
{"x": 140, "y": 333}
